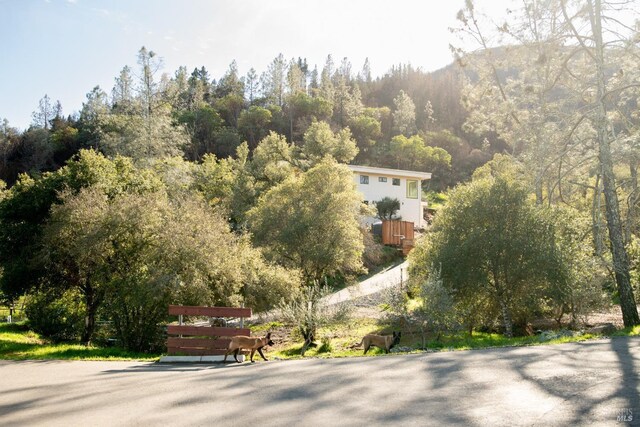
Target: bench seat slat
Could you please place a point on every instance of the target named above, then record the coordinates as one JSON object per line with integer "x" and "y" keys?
{"x": 221, "y": 343}
{"x": 172, "y": 351}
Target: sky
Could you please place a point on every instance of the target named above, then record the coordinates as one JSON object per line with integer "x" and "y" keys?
{"x": 64, "y": 48}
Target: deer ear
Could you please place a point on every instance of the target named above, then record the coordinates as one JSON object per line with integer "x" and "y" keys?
{"x": 268, "y": 334}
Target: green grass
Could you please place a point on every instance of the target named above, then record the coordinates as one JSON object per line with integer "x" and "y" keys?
{"x": 450, "y": 343}
{"x": 19, "y": 343}
{"x": 263, "y": 328}
{"x": 480, "y": 340}
{"x": 338, "y": 340}
{"x": 340, "y": 344}
{"x": 631, "y": 331}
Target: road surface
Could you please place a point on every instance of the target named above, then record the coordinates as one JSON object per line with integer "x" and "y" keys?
{"x": 589, "y": 383}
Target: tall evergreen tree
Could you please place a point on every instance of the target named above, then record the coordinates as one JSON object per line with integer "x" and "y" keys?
{"x": 404, "y": 116}
{"x": 122, "y": 93}
{"x": 45, "y": 113}
{"x": 150, "y": 64}
{"x": 251, "y": 83}
{"x": 274, "y": 81}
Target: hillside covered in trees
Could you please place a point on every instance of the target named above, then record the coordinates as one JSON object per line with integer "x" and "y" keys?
{"x": 399, "y": 120}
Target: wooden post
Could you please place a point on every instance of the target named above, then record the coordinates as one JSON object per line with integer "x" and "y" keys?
{"x": 242, "y": 318}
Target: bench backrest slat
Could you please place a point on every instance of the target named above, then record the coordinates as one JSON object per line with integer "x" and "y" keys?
{"x": 186, "y": 310}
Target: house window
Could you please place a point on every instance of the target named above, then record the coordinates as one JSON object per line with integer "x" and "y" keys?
{"x": 412, "y": 189}
{"x": 364, "y": 179}
{"x": 382, "y": 179}
{"x": 396, "y": 181}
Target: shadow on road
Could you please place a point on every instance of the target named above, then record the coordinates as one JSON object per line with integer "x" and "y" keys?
{"x": 181, "y": 367}
{"x": 588, "y": 387}
{"x": 628, "y": 390}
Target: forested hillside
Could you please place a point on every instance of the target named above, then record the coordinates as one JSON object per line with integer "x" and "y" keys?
{"x": 398, "y": 120}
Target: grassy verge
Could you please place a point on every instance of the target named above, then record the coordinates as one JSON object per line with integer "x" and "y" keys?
{"x": 340, "y": 347}
{"x": 18, "y": 343}
{"x": 628, "y": 332}
{"x": 334, "y": 341}
{"x": 481, "y": 340}
{"x": 339, "y": 342}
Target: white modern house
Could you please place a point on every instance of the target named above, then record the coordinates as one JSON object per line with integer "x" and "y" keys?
{"x": 406, "y": 186}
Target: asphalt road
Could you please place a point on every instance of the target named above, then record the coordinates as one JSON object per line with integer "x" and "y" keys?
{"x": 590, "y": 383}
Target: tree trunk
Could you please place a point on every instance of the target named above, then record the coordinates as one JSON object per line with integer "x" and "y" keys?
{"x": 506, "y": 319}
{"x": 309, "y": 338}
{"x": 614, "y": 224}
{"x": 93, "y": 299}
{"x": 633, "y": 201}
{"x": 91, "y": 302}
{"x": 538, "y": 189}
{"x": 501, "y": 294}
{"x": 595, "y": 218}
{"x": 291, "y": 124}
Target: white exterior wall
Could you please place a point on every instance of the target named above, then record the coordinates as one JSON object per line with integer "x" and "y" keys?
{"x": 410, "y": 209}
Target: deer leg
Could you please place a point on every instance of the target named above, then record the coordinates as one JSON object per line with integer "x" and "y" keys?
{"x": 262, "y": 354}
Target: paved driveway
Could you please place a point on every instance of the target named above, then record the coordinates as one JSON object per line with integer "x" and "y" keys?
{"x": 393, "y": 276}
{"x": 572, "y": 384}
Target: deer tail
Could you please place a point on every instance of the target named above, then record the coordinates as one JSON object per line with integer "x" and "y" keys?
{"x": 359, "y": 344}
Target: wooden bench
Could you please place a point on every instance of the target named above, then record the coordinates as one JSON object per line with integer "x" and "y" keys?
{"x": 194, "y": 340}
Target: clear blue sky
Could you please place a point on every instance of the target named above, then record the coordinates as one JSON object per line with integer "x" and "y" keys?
{"x": 64, "y": 48}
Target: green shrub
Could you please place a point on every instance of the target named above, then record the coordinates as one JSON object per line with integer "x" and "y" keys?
{"x": 137, "y": 305}
{"x": 266, "y": 284}
{"x": 325, "y": 345}
{"x": 58, "y": 316}
{"x": 438, "y": 312}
